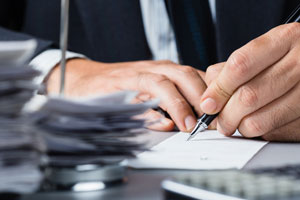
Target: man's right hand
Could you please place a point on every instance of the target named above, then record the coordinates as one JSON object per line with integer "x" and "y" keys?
{"x": 178, "y": 87}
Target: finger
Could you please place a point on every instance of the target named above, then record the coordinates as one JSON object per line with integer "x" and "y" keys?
{"x": 288, "y": 133}
{"x": 187, "y": 80}
{"x": 246, "y": 63}
{"x": 171, "y": 100}
{"x": 274, "y": 115}
{"x": 154, "y": 120}
{"x": 157, "y": 121}
{"x": 260, "y": 91}
{"x": 212, "y": 72}
{"x": 142, "y": 97}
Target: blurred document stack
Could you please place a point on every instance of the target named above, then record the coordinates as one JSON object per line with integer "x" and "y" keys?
{"x": 20, "y": 148}
{"x": 91, "y": 131}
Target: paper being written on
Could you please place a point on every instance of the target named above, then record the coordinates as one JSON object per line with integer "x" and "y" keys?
{"x": 208, "y": 150}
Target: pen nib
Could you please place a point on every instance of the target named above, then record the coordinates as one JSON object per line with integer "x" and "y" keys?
{"x": 199, "y": 128}
{"x": 190, "y": 137}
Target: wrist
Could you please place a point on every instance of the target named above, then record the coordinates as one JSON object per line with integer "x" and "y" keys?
{"x": 75, "y": 69}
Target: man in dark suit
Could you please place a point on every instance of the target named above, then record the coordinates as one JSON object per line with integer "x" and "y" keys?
{"x": 256, "y": 89}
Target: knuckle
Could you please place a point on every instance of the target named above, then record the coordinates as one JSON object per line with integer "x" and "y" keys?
{"x": 178, "y": 103}
{"x": 291, "y": 110}
{"x": 291, "y": 30}
{"x": 247, "y": 96}
{"x": 147, "y": 80}
{"x": 187, "y": 70}
{"x": 278, "y": 116}
{"x": 211, "y": 71}
{"x": 221, "y": 91}
{"x": 239, "y": 63}
{"x": 157, "y": 78}
{"x": 161, "y": 80}
{"x": 259, "y": 42}
{"x": 253, "y": 128}
{"x": 211, "y": 74}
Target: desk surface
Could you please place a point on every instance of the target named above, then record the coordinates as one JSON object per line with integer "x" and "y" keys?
{"x": 145, "y": 184}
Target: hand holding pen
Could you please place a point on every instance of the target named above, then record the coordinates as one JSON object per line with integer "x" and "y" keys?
{"x": 258, "y": 89}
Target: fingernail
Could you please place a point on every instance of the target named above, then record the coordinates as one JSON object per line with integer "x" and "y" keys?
{"x": 208, "y": 105}
{"x": 190, "y": 122}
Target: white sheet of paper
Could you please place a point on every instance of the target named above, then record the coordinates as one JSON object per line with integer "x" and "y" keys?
{"x": 208, "y": 150}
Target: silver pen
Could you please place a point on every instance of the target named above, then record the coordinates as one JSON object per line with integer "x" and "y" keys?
{"x": 64, "y": 24}
{"x": 202, "y": 124}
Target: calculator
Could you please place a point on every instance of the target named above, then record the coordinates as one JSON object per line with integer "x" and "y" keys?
{"x": 261, "y": 184}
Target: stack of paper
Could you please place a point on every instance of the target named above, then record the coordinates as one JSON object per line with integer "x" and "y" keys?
{"x": 20, "y": 154}
{"x": 90, "y": 131}
{"x": 20, "y": 149}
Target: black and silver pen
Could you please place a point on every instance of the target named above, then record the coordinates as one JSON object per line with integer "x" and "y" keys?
{"x": 204, "y": 121}
{"x": 202, "y": 124}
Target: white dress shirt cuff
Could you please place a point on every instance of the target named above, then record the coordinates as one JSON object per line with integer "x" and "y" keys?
{"x": 47, "y": 60}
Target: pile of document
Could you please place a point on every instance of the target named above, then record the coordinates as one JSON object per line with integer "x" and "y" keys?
{"x": 20, "y": 157}
{"x": 20, "y": 148}
{"x": 91, "y": 131}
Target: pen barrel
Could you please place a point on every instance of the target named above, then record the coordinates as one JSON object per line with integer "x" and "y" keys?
{"x": 207, "y": 119}
{"x": 295, "y": 16}
{"x": 64, "y": 24}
